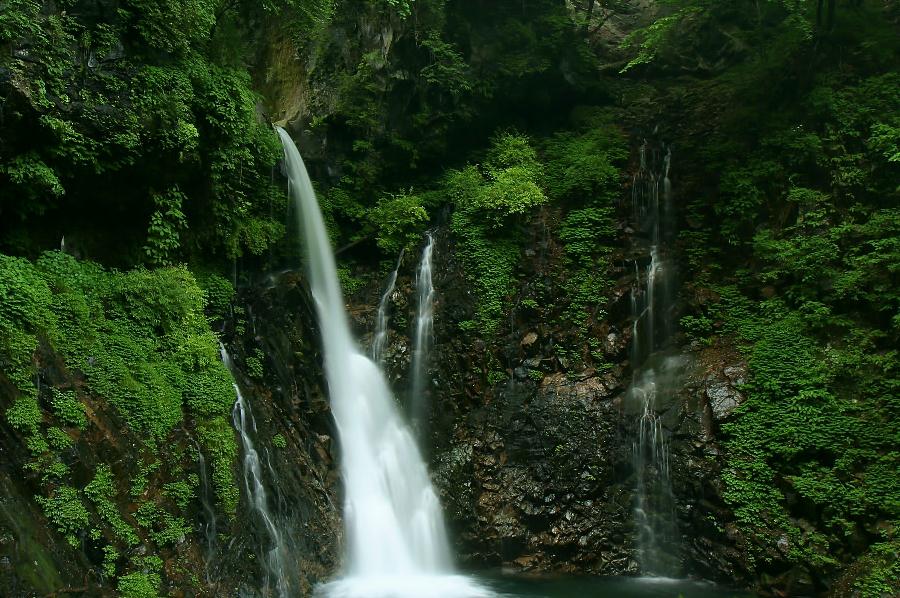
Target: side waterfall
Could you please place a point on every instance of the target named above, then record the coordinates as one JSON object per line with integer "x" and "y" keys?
{"x": 276, "y": 554}
{"x": 379, "y": 341}
{"x": 395, "y": 541}
{"x": 209, "y": 524}
{"x": 423, "y": 337}
{"x": 655, "y": 374}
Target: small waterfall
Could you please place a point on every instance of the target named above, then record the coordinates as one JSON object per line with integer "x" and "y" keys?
{"x": 423, "y": 338}
{"x": 655, "y": 376}
{"x": 395, "y": 540}
{"x": 209, "y": 525}
{"x": 379, "y": 341}
{"x": 275, "y": 556}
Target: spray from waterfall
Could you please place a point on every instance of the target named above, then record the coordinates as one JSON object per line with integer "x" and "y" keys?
{"x": 395, "y": 540}
{"x": 275, "y": 554}
{"x": 423, "y": 337}
{"x": 656, "y": 377}
{"x": 379, "y": 341}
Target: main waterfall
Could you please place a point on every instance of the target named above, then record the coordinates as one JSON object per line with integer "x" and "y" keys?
{"x": 395, "y": 541}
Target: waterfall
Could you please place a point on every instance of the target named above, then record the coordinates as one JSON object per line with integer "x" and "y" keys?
{"x": 209, "y": 525}
{"x": 276, "y": 553}
{"x": 379, "y": 341}
{"x": 655, "y": 376}
{"x": 395, "y": 541}
{"x": 423, "y": 336}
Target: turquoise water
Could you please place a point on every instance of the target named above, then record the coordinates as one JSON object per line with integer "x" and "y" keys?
{"x": 606, "y": 587}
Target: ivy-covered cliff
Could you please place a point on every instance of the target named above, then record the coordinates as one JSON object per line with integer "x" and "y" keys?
{"x": 143, "y": 214}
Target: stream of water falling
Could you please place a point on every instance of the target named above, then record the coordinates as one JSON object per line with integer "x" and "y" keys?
{"x": 275, "y": 554}
{"x": 395, "y": 541}
{"x": 379, "y": 341}
{"x": 424, "y": 333}
{"x": 655, "y": 374}
{"x": 209, "y": 523}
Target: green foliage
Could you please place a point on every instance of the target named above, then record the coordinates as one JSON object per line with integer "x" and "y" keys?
{"x": 66, "y": 512}
{"x": 838, "y": 456}
{"x": 218, "y": 295}
{"x": 400, "y": 220}
{"x": 584, "y": 173}
{"x": 349, "y": 283}
{"x": 24, "y": 302}
{"x": 33, "y": 179}
{"x": 217, "y": 440}
{"x": 648, "y": 40}
{"x": 140, "y": 339}
{"x": 58, "y": 440}
{"x": 253, "y": 364}
{"x": 447, "y": 70}
{"x": 491, "y": 204}
{"x": 882, "y": 570}
{"x": 102, "y": 493}
{"x": 139, "y": 585}
{"x": 110, "y": 556}
{"x": 68, "y": 409}
{"x": 164, "y": 231}
{"x": 174, "y": 26}
{"x": 279, "y": 441}
{"x": 167, "y": 130}
{"x": 697, "y": 328}
{"x": 25, "y": 415}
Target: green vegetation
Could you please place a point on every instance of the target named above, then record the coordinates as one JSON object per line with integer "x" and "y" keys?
{"x": 794, "y": 244}
{"x": 139, "y": 346}
{"x": 492, "y": 204}
{"x": 150, "y": 128}
{"x": 66, "y": 511}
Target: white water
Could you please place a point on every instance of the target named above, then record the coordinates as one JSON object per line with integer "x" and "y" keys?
{"x": 655, "y": 379}
{"x": 379, "y": 341}
{"x": 423, "y": 336}
{"x": 275, "y": 555}
{"x": 395, "y": 541}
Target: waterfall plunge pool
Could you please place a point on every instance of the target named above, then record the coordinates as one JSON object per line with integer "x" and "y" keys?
{"x": 605, "y": 587}
{"x": 497, "y": 585}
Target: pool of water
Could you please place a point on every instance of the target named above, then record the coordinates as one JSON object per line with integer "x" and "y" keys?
{"x": 495, "y": 585}
{"x": 608, "y": 587}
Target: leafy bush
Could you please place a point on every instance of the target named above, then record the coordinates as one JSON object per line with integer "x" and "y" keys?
{"x": 68, "y": 408}
{"x": 139, "y": 585}
{"x": 488, "y": 203}
{"x": 400, "y": 220}
{"x": 65, "y": 510}
{"x": 102, "y": 492}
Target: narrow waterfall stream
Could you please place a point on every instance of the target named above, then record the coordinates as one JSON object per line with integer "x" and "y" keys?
{"x": 395, "y": 541}
{"x": 379, "y": 340}
{"x": 275, "y": 553}
{"x": 209, "y": 513}
{"x": 656, "y": 374}
{"x": 418, "y": 402}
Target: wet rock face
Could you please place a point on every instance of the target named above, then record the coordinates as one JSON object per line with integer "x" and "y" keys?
{"x": 529, "y": 480}
{"x": 708, "y": 397}
{"x": 721, "y": 390}
{"x": 294, "y": 435}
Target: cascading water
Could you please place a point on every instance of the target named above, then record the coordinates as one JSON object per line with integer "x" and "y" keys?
{"x": 656, "y": 375}
{"x": 423, "y": 337}
{"x": 275, "y": 557}
{"x": 209, "y": 524}
{"x": 396, "y": 545}
{"x": 379, "y": 341}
